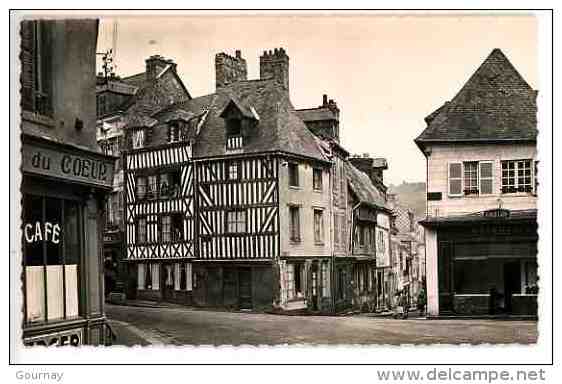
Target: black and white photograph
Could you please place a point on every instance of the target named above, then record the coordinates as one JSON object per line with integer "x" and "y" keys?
{"x": 369, "y": 179}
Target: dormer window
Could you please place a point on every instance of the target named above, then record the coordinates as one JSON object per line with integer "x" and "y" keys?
{"x": 234, "y": 134}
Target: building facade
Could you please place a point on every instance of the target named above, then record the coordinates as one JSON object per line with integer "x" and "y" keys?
{"x": 231, "y": 199}
{"x": 65, "y": 181}
{"x": 118, "y": 100}
{"x": 480, "y": 229}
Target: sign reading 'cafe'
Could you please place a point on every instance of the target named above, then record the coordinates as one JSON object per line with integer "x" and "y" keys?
{"x": 90, "y": 168}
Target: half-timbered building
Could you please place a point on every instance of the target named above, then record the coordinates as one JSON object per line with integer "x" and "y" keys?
{"x": 124, "y": 102}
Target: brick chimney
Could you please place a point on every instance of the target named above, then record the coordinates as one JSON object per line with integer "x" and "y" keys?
{"x": 229, "y": 69}
{"x": 156, "y": 64}
{"x": 275, "y": 65}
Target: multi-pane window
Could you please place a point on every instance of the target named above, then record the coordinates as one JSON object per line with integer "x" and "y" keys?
{"x": 318, "y": 226}
{"x": 166, "y": 229}
{"x": 141, "y": 187}
{"x": 51, "y": 258}
{"x": 293, "y": 174}
{"x": 177, "y": 227}
{"x": 152, "y": 187}
{"x": 317, "y": 179}
{"x": 294, "y": 224}
{"x": 233, "y": 170}
{"x": 138, "y": 138}
{"x": 141, "y": 230}
{"x": 517, "y": 176}
{"x": 470, "y": 177}
{"x": 236, "y": 221}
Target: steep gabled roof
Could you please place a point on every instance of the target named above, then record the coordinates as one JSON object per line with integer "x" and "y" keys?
{"x": 362, "y": 186}
{"x": 495, "y": 104}
{"x": 278, "y": 128}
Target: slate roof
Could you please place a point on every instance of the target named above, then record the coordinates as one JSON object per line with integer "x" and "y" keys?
{"x": 316, "y": 114}
{"x": 137, "y": 80}
{"x": 495, "y": 104}
{"x": 279, "y": 128}
{"x": 362, "y": 186}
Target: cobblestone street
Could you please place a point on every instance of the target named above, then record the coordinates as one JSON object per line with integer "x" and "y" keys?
{"x": 180, "y": 326}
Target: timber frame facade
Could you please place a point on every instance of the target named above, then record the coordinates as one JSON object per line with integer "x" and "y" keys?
{"x": 231, "y": 200}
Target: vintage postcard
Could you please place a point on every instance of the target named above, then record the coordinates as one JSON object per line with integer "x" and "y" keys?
{"x": 277, "y": 178}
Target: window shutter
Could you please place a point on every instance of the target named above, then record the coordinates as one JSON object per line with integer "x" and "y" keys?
{"x": 27, "y": 77}
{"x": 486, "y": 173}
{"x": 46, "y": 53}
{"x": 455, "y": 179}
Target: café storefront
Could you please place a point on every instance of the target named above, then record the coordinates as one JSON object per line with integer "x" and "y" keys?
{"x": 62, "y": 196}
{"x": 486, "y": 263}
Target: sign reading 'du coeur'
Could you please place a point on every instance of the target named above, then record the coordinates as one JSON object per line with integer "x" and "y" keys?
{"x": 84, "y": 167}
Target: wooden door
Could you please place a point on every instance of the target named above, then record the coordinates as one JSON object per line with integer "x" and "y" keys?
{"x": 245, "y": 288}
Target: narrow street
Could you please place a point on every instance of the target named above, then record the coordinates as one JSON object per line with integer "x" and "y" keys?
{"x": 184, "y": 326}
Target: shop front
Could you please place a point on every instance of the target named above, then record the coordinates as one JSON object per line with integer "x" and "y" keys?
{"x": 486, "y": 264}
{"x": 63, "y": 192}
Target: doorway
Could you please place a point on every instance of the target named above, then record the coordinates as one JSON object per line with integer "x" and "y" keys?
{"x": 512, "y": 282}
{"x": 245, "y": 288}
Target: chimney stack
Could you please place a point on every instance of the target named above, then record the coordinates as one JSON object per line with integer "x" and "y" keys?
{"x": 275, "y": 65}
{"x": 230, "y": 69}
{"x": 156, "y": 64}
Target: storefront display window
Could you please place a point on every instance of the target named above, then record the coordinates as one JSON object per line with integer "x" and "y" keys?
{"x": 51, "y": 258}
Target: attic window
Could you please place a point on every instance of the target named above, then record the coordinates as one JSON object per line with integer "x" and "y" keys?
{"x": 234, "y": 139}
{"x": 233, "y": 127}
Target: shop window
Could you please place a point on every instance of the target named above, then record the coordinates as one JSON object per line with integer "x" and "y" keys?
{"x": 293, "y": 174}
{"x": 51, "y": 258}
{"x": 325, "y": 272}
{"x": 295, "y": 275}
{"x": 517, "y": 176}
{"x": 318, "y": 226}
{"x": 141, "y": 276}
{"x": 294, "y": 224}
{"x": 531, "y": 278}
{"x": 317, "y": 179}
{"x": 182, "y": 277}
{"x": 236, "y": 221}
{"x": 470, "y": 277}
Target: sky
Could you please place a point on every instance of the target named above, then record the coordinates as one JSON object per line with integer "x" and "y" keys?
{"x": 385, "y": 71}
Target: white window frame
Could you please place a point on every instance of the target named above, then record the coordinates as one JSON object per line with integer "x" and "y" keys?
{"x": 516, "y": 176}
